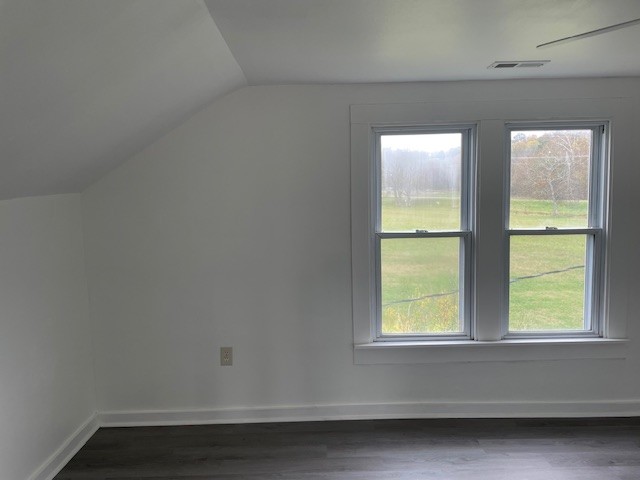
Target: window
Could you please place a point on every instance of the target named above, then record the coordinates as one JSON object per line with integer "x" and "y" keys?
{"x": 422, "y": 232}
{"x": 555, "y": 227}
{"x": 482, "y": 234}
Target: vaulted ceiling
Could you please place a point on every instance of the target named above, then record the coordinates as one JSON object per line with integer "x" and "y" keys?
{"x": 85, "y": 84}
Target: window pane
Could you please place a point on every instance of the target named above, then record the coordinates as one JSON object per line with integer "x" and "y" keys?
{"x": 550, "y": 178}
{"x": 420, "y": 181}
{"x": 547, "y": 282}
{"x": 420, "y": 286}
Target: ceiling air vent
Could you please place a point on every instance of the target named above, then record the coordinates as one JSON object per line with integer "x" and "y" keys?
{"x": 518, "y": 64}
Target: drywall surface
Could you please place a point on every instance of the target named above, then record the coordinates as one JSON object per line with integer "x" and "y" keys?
{"x": 234, "y": 230}
{"x": 95, "y": 82}
{"x": 46, "y": 369}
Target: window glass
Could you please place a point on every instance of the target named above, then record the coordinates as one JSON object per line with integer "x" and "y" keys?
{"x": 420, "y": 278}
{"x": 547, "y": 282}
{"x": 420, "y": 181}
{"x": 550, "y": 178}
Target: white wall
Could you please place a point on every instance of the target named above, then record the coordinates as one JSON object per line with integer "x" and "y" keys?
{"x": 234, "y": 229}
{"x": 46, "y": 372}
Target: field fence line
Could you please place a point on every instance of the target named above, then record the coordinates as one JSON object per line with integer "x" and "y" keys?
{"x": 453, "y": 292}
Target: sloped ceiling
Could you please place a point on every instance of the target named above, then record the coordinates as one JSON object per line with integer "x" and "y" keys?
{"x": 85, "y": 84}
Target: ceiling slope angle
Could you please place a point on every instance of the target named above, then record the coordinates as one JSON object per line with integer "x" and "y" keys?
{"x": 86, "y": 84}
{"x": 365, "y": 41}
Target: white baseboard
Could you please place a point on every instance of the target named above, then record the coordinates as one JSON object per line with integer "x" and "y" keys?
{"x": 67, "y": 450}
{"x": 371, "y": 411}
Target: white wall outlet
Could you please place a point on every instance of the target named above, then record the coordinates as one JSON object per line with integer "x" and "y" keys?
{"x": 226, "y": 356}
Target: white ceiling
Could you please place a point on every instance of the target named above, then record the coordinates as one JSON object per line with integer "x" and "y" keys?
{"x": 316, "y": 41}
{"x": 85, "y": 84}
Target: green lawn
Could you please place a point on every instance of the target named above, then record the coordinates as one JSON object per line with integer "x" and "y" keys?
{"x": 420, "y": 276}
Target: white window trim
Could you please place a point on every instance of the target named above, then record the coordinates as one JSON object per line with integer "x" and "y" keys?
{"x": 488, "y": 343}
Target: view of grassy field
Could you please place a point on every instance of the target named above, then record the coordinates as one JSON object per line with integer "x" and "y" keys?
{"x": 420, "y": 276}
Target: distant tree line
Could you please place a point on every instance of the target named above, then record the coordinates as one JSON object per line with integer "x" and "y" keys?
{"x": 409, "y": 174}
{"x": 553, "y": 166}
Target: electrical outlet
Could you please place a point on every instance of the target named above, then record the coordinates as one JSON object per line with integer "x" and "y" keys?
{"x": 226, "y": 356}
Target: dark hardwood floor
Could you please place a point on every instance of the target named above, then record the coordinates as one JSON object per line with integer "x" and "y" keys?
{"x": 515, "y": 449}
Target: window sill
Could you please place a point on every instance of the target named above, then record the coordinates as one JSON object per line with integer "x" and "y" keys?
{"x": 511, "y": 350}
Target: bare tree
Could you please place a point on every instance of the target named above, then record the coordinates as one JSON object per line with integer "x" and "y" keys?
{"x": 553, "y": 166}
{"x": 400, "y": 175}
{"x": 408, "y": 174}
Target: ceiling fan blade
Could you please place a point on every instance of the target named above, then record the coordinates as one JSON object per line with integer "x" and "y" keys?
{"x": 592, "y": 33}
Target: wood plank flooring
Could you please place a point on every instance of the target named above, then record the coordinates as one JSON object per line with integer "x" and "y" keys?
{"x": 486, "y": 449}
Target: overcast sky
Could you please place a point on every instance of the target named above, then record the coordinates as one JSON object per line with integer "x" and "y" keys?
{"x": 429, "y": 142}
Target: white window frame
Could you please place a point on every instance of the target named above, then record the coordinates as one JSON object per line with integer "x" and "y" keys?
{"x": 464, "y": 233}
{"x": 595, "y": 231}
{"x": 487, "y": 340}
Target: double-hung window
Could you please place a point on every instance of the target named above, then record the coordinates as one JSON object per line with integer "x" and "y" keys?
{"x": 555, "y": 223}
{"x": 421, "y": 232}
{"x": 482, "y": 234}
